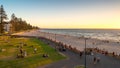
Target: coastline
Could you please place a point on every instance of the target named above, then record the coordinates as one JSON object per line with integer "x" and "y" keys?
{"x": 76, "y": 42}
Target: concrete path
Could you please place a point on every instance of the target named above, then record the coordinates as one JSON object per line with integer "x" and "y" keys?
{"x": 74, "y": 60}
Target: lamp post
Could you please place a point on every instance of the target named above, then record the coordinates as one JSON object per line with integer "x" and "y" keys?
{"x": 55, "y": 37}
{"x": 43, "y": 34}
{"x": 85, "y": 52}
{"x": 49, "y": 35}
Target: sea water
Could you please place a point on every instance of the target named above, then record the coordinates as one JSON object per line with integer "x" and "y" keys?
{"x": 103, "y": 34}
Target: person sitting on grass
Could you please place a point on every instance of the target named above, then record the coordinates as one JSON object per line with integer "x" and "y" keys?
{"x": 35, "y": 50}
{"x": 63, "y": 48}
{"x": 25, "y": 53}
{"x": 45, "y": 55}
{"x": 21, "y": 51}
{"x": 21, "y": 54}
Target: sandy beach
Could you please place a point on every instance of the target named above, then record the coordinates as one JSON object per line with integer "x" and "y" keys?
{"x": 75, "y": 42}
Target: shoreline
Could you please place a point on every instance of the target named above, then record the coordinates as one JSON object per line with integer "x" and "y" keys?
{"x": 76, "y": 42}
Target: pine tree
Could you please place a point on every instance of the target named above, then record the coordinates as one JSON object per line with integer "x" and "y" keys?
{"x": 3, "y": 16}
{"x": 12, "y": 22}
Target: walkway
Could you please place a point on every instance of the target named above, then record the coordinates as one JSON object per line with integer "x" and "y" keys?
{"x": 74, "y": 60}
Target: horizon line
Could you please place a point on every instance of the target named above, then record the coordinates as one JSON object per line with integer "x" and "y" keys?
{"x": 85, "y": 28}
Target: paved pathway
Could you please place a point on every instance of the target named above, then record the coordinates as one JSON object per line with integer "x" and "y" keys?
{"x": 74, "y": 60}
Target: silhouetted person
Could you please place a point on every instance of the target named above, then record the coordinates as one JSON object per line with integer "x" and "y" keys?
{"x": 94, "y": 60}
{"x": 98, "y": 59}
{"x": 81, "y": 54}
{"x": 106, "y": 53}
{"x": 113, "y": 53}
{"x": 45, "y": 55}
{"x": 21, "y": 51}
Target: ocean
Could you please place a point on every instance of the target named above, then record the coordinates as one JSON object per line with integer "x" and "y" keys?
{"x": 102, "y": 34}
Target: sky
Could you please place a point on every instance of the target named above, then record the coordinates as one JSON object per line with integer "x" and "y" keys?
{"x": 101, "y": 14}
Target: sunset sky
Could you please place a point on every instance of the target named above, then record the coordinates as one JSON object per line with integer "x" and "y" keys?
{"x": 66, "y": 13}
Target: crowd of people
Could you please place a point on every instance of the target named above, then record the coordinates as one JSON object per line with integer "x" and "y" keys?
{"x": 60, "y": 46}
{"x": 64, "y": 47}
{"x": 105, "y": 52}
{"x": 22, "y": 52}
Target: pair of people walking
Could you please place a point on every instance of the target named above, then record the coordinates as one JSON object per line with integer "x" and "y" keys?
{"x": 96, "y": 60}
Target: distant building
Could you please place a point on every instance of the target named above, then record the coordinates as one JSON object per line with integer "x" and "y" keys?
{"x": 7, "y": 27}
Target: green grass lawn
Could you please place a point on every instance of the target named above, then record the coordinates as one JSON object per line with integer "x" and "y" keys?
{"x": 32, "y": 60}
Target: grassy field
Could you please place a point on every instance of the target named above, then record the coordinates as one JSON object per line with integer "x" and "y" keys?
{"x": 9, "y": 48}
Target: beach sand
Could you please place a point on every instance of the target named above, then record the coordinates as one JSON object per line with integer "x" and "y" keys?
{"x": 75, "y": 42}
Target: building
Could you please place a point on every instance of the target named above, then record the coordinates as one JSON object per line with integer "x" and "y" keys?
{"x": 7, "y": 27}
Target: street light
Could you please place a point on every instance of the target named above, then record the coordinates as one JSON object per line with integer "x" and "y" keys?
{"x": 44, "y": 35}
{"x": 55, "y": 37}
{"x": 85, "y": 51}
{"x": 49, "y": 35}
